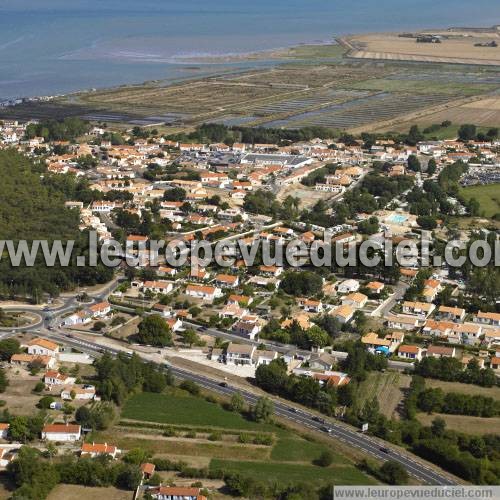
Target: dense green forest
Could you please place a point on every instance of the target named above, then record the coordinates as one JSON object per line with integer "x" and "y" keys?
{"x": 32, "y": 207}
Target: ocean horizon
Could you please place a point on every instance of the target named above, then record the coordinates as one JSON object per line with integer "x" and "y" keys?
{"x": 55, "y": 48}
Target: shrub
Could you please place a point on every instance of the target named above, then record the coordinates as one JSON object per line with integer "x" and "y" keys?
{"x": 215, "y": 436}
{"x": 263, "y": 439}
{"x": 169, "y": 432}
{"x": 244, "y": 438}
{"x": 45, "y": 402}
{"x": 191, "y": 387}
{"x": 325, "y": 459}
{"x": 39, "y": 387}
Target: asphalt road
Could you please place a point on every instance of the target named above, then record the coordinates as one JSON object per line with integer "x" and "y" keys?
{"x": 334, "y": 429}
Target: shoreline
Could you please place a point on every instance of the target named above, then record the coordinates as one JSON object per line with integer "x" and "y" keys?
{"x": 341, "y": 47}
{"x": 189, "y": 63}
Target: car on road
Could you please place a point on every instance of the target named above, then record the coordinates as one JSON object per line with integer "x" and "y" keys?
{"x": 293, "y": 410}
{"x": 327, "y": 429}
{"x": 223, "y": 384}
{"x": 383, "y": 449}
{"x": 319, "y": 419}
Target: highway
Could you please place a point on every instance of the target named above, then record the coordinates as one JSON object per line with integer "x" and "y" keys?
{"x": 334, "y": 429}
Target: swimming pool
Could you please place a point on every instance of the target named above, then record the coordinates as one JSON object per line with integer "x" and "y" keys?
{"x": 397, "y": 219}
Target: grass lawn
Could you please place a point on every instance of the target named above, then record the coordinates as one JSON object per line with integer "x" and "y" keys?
{"x": 463, "y": 423}
{"x": 286, "y": 472}
{"x": 488, "y": 197}
{"x": 183, "y": 409}
{"x": 300, "y": 450}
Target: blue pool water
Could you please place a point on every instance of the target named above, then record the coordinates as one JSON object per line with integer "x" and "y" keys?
{"x": 397, "y": 219}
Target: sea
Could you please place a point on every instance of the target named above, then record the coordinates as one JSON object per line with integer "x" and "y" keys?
{"x": 51, "y": 47}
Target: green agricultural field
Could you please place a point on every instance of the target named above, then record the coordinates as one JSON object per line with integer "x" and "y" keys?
{"x": 286, "y": 472}
{"x": 453, "y": 89}
{"x": 300, "y": 450}
{"x": 183, "y": 409}
{"x": 161, "y": 446}
{"x": 488, "y": 197}
{"x": 317, "y": 51}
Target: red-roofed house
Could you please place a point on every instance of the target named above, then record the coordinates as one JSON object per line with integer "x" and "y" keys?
{"x": 53, "y": 377}
{"x": 96, "y": 449}
{"x": 410, "y": 352}
{"x": 4, "y": 430}
{"x": 42, "y": 347}
{"x": 61, "y": 432}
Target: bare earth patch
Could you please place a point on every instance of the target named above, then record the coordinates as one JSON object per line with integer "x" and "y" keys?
{"x": 462, "y": 423}
{"x": 460, "y": 49}
{"x": 77, "y": 492}
{"x": 492, "y": 392}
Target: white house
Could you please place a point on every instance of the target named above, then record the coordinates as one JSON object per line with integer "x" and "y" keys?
{"x": 264, "y": 357}
{"x": 4, "y": 430}
{"x": 421, "y": 309}
{"x": 310, "y": 305}
{"x": 81, "y": 392}
{"x": 176, "y": 493}
{"x": 53, "y": 377}
{"x": 100, "y": 309}
{"x": 159, "y": 286}
{"x": 246, "y": 328}
{"x": 438, "y": 351}
{"x": 348, "y": 286}
{"x": 203, "y": 292}
{"x": 412, "y": 352}
{"x": 401, "y": 322}
{"x": 487, "y": 318}
{"x": 240, "y": 354}
{"x": 42, "y": 347}
{"x": 62, "y": 432}
{"x": 343, "y": 313}
{"x": 93, "y": 450}
{"x": 451, "y": 313}
{"x": 356, "y": 300}
{"x": 227, "y": 280}
{"x": 78, "y": 318}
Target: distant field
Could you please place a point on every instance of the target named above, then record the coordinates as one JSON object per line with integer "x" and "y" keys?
{"x": 293, "y": 473}
{"x": 478, "y": 112}
{"x": 183, "y": 409}
{"x": 389, "y": 46}
{"x": 462, "y": 423}
{"x": 471, "y": 389}
{"x": 424, "y": 87}
{"x": 310, "y": 85}
{"x": 488, "y": 197}
{"x": 388, "y": 387}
